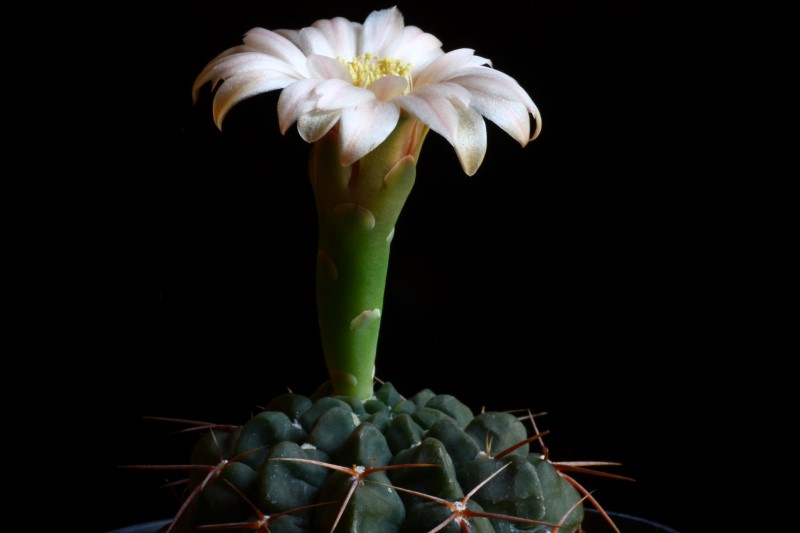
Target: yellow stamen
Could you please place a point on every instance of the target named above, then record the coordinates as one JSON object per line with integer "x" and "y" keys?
{"x": 368, "y": 68}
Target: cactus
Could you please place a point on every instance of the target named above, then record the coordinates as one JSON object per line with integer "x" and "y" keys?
{"x": 327, "y": 462}
{"x": 353, "y": 457}
{"x": 390, "y": 464}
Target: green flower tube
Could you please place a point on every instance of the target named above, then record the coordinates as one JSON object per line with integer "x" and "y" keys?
{"x": 358, "y": 206}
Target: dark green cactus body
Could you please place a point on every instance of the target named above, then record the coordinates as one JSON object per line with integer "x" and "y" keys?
{"x": 284, "y": 462}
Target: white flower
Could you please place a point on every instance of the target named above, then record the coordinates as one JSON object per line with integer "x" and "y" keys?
{"x": 361, "y": 77}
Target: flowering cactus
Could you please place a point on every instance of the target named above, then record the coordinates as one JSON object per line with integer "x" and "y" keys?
{"x": 351, "y": 457}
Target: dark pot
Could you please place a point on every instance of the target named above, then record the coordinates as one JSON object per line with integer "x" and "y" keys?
{"x": 593, "y": 523}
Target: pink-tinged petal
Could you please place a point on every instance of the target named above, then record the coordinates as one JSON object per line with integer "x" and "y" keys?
{"x": 510, "y": 115}
{"x": 488, "y": 85}
{"x": 417, "y": 47}
{"x": 205, "y": 74}
{"x": 249, "y": 61}
{"x": 276, "y": 45}
{"x": 326, "y": 68}
{"x": 381, "y": 32}
{"x": 364, "y": 127}
{"x": 293, "y": 37}
{"x": 242, "y": 86}
{"x": 470, "y": 141}
{"x": 315, "y": 42}
{"x": 446, "y": 66}
{"x": 388, "y": 87}
{"x": 338, "y": 94}
{"x": 341, "y": 34}
{"x": 437, "y": 112}
{"x": 295, "y": 100}
{"x": 494, "y": 82}
{"x": 451, "y": 91}
{"x": 314, "y": 125}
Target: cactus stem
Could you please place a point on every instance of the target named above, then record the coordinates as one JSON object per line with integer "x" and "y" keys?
{"x": 357, "y": 473}
{"x": 262, "y": 524}
{"x": 461, "y": 514}
{"x": 461, "y": 511}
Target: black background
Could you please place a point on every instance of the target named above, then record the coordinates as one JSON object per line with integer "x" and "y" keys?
{"x": 587, "y": 275}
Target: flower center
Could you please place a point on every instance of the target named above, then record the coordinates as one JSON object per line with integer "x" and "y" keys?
{"x": 368, "y": 68}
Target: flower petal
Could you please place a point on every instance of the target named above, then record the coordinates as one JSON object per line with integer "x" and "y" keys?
{"x": 381, "y": 32}
{"x": 293, "y": 36}
{"x": 242, "y": 86}
{"x": 276, "y": 45}
{"x": 205, "y": 74}
{"x": 295, "y": 100}
{"x": 510, "y": 115}
{"x": 491, "y": 88}
{"x": 312, "y": 126}
{"x": 417, "y": 47}
{"x": 470, "y": 141}
{"x": 388, "y": 87}
{"x": 341, "y": 34}
{"x": 364, "y": 127}
{"x": 337, "y": 94}
{"x": 315, "y": 42}
{"x": 325, "y": 68}
{"x": 451, "y": 91}
{"x": 434, "y": 110}
{"x": 248, "y": 61}
{"x": 493, "y": 81}
{"x": 446, "y": 66}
